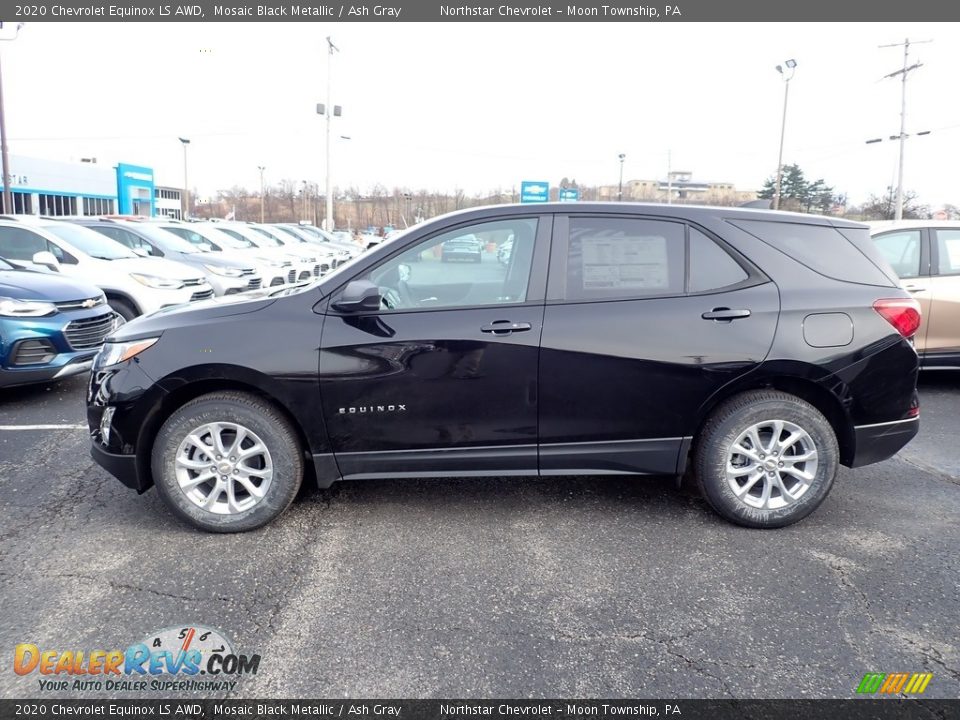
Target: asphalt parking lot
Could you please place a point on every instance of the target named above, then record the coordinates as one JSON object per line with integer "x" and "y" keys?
{"x": 579, "y": 587}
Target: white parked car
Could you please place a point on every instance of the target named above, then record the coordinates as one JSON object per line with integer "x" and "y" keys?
{"x": 134, "y": 285}
{"x": 274, "y": 270}
{"x": 307, "y": 264}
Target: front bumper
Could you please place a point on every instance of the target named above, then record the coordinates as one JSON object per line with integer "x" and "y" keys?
{"x": 122, "y": 467}
{"x": 880, "y": 441}
{"x": 152, "y": 299}
{"x": 63, "y": 365}
{"x": 232, "y": 285}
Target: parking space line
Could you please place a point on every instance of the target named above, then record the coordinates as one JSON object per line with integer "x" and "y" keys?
{"x": 43, "y": 427}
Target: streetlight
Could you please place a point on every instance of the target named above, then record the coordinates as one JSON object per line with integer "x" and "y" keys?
{"x": 5, "y": 161}
{"x": 787, "y": 77}
{"x": 261, "y": 168}
{"x": 622, "y": 157}
{"x": 329, "y": 111}
{"x": 186, "y": 186}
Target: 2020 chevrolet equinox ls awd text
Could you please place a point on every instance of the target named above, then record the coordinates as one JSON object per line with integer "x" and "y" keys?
{"x": 756, "y": 350}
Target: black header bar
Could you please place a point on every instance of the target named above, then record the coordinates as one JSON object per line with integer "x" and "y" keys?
{"x": 474, "y": 11}
{"x": 183, "y": 707}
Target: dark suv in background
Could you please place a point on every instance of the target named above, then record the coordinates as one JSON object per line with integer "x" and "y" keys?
{"x": 756, "y": 350}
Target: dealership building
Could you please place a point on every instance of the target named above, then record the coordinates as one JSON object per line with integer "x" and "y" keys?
{"x": 53, "y": 188}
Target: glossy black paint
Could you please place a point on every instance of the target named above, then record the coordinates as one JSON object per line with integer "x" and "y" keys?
{"x": 577, "y": 387}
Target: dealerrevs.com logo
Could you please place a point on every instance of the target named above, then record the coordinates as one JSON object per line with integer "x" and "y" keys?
{"x": 188, "y": 658}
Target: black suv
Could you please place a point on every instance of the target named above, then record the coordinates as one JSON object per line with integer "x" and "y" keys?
{"x": 756, "y": 350}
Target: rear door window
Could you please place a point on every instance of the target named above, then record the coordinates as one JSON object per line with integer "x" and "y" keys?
{"x": 711, "y": 268}
{"x": 948, "y": 251}
{"x": 612, "y": 258}
{"x": 902, "y": 250}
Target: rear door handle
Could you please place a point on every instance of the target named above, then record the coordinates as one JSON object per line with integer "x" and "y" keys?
{"x": 505, "y": 327}
{"x": 726, "y": 314}
{"x": 914, "y": 288}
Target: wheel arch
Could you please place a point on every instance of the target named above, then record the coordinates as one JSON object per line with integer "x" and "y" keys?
{"x": 826, "y": 401}
{"x": 126, "y": 297}
{"x": 187, "y": 390}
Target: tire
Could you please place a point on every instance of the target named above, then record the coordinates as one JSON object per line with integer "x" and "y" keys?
{"x": 123, "y": 308}
{"x": 277, "y": 470}
{"x": 749, "y": 422}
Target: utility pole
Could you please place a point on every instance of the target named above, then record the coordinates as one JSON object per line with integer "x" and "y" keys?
{"x": 261, "y": 168}
{"x": 903, "y": 72}
{"x": 5, "y": 34}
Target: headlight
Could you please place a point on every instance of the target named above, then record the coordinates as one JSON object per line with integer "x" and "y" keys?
{"x": 114, "y": 353}
{"x": 224, "y": 271}
{"x": 274, "y": 262}
{"x": 158, "y": 283}
{"x": 11, "y": 307}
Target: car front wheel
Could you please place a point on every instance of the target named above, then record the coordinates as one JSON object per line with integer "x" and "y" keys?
{"x": 766, "y": 459}
{"x": 227, "y": 462}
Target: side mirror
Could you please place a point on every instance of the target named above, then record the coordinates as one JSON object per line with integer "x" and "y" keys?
{"x": 142, "y": 251}
{"x": 205, "y": 247}
{"x": 47, "y": 259}
{"x": 359, "y": 295}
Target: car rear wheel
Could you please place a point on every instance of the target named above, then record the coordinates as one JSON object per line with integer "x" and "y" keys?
{"x": 227, "y": 462}
{"x": 766, "y": 459}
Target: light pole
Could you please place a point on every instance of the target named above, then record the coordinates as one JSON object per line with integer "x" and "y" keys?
{"x": 186, "y": 185}
{"x": 329, "y": 111}
{"x": 787, "y": 77}
{"x": 5, "y": 160}
{"x": 622, "y": 157}
{"x": 261, "y": 168}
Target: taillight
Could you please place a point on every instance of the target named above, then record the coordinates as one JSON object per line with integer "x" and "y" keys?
{"x": 902, "y": 313}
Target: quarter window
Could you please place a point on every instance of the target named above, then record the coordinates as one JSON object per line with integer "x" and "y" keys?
{"x": 461, "y": 268}
{"x": 609, "y": 258}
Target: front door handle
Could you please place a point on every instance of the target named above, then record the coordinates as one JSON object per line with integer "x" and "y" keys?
{"x": 505, "y": 327}
{"x": 914, "y": 288}
{"x": 725, "y": 314}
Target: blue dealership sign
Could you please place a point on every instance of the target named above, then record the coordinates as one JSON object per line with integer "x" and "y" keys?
{"x": 534, "y": 192}
{"x": 569, "y": 194}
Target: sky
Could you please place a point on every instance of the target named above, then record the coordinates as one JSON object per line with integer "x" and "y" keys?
{"x": 483, "y": 106}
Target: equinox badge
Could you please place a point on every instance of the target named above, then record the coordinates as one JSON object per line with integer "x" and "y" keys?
{"x": 373, "y": 409}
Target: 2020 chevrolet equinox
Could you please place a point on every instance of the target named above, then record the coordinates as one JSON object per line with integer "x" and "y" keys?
{"x": 756, "y": 350}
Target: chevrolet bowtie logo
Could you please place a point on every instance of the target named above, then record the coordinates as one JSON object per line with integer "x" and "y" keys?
{"x": 89, "y": 303}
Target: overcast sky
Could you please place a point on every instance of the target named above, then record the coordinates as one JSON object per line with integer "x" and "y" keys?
{"x": 481, "y": 106}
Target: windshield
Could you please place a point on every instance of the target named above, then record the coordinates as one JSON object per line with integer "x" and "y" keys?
{"x": 271, "y": 234}
{"x": 91, "y": 242}
{"x": 256, "y": 238}
{"x": 167, "y": 240}
{"x": 207, "y": 234}
{"x": 300, "y": 235}
{"x": 309, "y": 230}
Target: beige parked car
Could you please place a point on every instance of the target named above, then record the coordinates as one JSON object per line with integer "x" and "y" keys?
{"x": 926, "y": 256}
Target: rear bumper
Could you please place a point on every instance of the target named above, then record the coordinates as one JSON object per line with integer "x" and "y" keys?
{"x": 880, "y": 441}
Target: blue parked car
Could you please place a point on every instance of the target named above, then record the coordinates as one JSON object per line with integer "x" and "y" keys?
{"x": 50, "y": 326}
